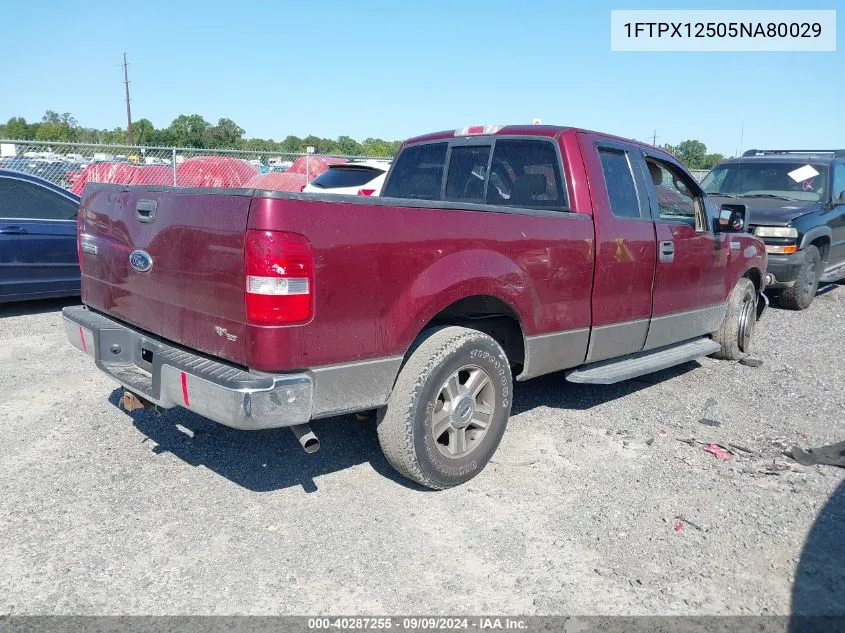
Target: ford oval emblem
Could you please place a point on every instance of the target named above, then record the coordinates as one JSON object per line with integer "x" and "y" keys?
{"x": 141, "y": 261}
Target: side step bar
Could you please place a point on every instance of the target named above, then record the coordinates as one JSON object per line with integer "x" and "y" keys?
{"x": 614, "y": 370}
{"x": 834, "y": 274}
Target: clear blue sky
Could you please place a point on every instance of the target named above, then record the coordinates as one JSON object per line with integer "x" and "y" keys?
{"x": 397, "y": 69}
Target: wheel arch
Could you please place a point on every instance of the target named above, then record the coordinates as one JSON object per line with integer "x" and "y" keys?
{"x": 820, "y": 237}
{"x": 486, "y": 313}
{"x": 756, "y": 277}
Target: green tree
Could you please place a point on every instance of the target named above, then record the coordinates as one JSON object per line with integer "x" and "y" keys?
{"x": 349, "y": 146}
{"x": 292, "y": 144}
{"x": 188, "y": 130}
{"x": 710, "y": 160}
{"x": 162, "y": 138}
{"x": 17, "y": 128}
{"x": 117, "y": 136}
{"x": 225, "y": 135}
{"x": 142, "y": 131}
{"x": 379, "y": 147}
{"x": 261, "y": 145}
{"x": 692, "y": 153}
{"x": 312, "y": 141}
{"x": 57, "y": 127}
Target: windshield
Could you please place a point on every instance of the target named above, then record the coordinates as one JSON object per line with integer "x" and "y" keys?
{"x": 792, "y": 180}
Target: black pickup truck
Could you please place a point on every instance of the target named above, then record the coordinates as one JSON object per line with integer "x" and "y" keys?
{"x": 795, "y": 202}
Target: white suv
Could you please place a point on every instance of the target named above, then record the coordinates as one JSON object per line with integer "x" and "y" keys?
{"x": 361, "y": 178}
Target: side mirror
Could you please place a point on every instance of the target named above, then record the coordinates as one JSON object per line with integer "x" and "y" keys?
{"x": 840, "y": 200}
{"x": 731, "y": 218}
{"x": 681, "y": 186}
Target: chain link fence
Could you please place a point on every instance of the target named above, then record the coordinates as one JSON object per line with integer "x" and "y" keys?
{"x": 72, "y": 165}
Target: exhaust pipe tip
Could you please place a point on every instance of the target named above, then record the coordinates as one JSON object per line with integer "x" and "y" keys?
{"x": 306, "y": 437}
{"x": 311, "y": 445}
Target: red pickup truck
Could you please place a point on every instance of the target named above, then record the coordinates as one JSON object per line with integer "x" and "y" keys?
{"x": 493, "y": 252}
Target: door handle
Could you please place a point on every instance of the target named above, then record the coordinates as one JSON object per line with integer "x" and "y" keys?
{"x": 667, "y": 251}
{"x": 13, "y": 230}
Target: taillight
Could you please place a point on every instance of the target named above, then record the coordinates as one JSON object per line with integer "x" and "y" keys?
{"x": 366, "y": 192}
{"x": 279, "y": 277}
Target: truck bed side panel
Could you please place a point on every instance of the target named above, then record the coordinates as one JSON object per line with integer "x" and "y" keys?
{"x": 383, "y": 271}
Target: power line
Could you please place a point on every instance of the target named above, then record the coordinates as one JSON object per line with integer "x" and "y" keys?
{"x": 128, "y": 109}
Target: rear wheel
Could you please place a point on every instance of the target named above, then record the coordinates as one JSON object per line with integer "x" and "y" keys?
{"x": 802, "y": 293}
{"x": 449, "y": 408}
{"x": 735, "y": 334}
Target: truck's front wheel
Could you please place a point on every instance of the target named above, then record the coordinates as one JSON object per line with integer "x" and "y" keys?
{"x": 736, "y": 332}
{"x": 449, "y": 408}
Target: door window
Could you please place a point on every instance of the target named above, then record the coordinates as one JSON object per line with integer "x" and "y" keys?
{"x": 22, "y": 200}
{"x": 677, "y": 196}
{"x": 838, "y": 180}
{"x": 619, "y": 181}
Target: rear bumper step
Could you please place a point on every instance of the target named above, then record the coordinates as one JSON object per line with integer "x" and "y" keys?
{"x": 167, "y": 376}
{"x": 634, "y": 365}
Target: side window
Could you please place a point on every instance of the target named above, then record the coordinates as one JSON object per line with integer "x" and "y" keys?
{"x": 24, "y": 200}
{"x": 838, "y": 180}
{"x": 467, "y": 173}
{"x": 417, "y": 173}
{"x": 526, "y": 173}
{"x": 677, "y": 196}
{"x": 619, "y": 181}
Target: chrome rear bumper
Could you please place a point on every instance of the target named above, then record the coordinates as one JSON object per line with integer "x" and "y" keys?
{"x": 169, "y": 376}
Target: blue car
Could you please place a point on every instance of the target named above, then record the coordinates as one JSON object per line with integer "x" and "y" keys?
{"x": 38, "y": 257}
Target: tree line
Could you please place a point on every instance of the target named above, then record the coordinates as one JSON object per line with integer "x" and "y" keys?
{"x": 694, "y": 154}
{"x": 187, "y": 130}
{"x": 192, "y": 130}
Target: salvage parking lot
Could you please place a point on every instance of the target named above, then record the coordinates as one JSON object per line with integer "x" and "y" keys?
{"x": 592, "y": 503}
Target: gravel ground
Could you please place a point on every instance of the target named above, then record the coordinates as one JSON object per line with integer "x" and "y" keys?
{"x": 593, "y": 505}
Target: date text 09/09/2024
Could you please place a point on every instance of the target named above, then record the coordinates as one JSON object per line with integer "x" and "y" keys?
{"x": 723, "y": 29}
{"x": 418, "y": 623}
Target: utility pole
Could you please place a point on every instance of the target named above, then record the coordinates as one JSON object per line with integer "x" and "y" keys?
{"x": 741, "y": 135}
{"x": 654, "y": 138}
{"x": 128, "y": 109}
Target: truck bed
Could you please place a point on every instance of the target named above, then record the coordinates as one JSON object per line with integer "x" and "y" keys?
{"x": 383, "y": 268}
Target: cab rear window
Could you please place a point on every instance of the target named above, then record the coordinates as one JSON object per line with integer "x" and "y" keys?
{"x": 509, "y": 172}
{"x": 525, "y": 173}
{"x": 417, "y": 172}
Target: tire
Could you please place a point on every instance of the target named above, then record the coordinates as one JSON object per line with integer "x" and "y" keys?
{"x": 735, "y": 334}
{"x": 801, "y": 295}
{"x": 430, "y": 396}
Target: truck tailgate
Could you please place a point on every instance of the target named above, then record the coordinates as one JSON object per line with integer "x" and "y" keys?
{"x": 193, "y": 293}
